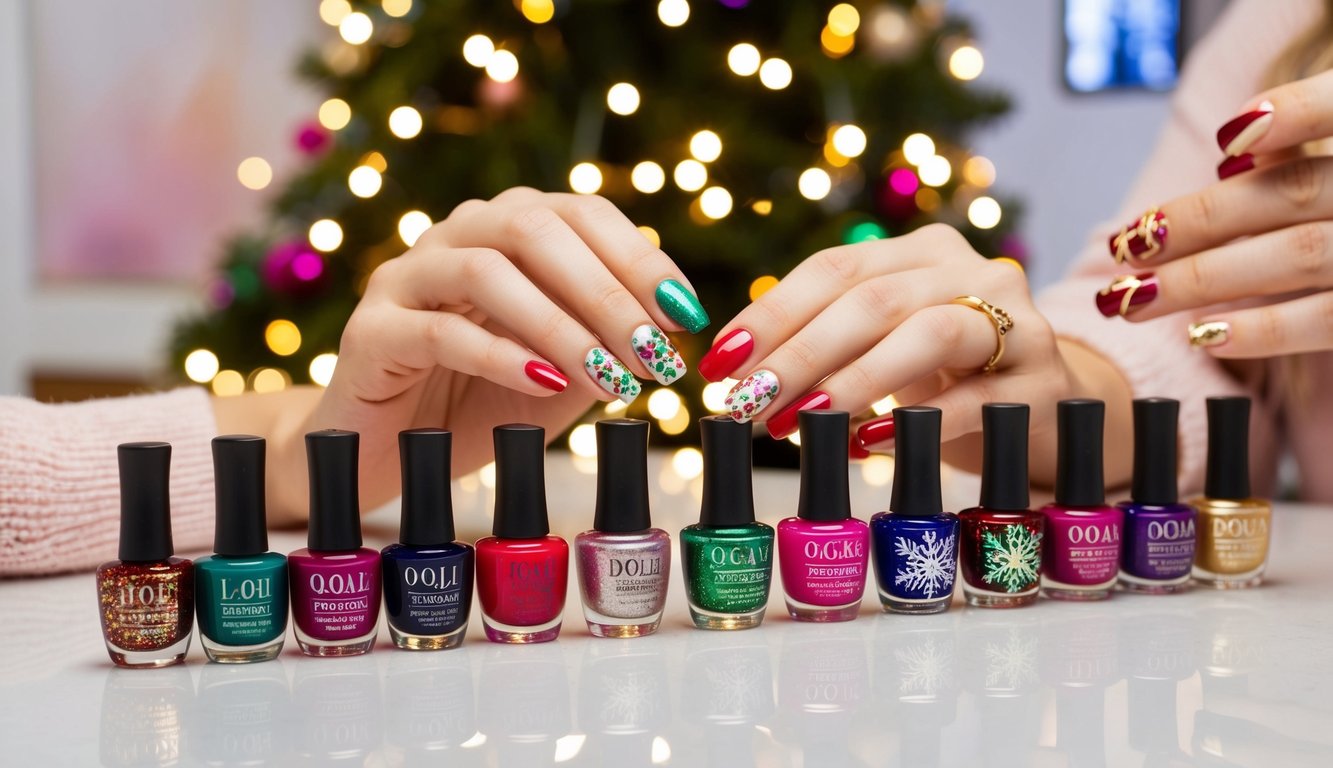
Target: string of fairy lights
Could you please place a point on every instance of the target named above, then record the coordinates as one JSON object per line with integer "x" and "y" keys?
{"x": 915, "y": 172}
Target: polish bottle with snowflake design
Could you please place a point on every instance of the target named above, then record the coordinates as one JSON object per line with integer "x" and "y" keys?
{"x": 1158, "y": 550}
{"x": 915, "y": 543}
{"x": 1081, "y": 548}
{"x": 1001, "y": 546}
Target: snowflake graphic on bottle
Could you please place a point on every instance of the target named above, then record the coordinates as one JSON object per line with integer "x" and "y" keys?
{"x": 927, "y": 565}
{"x": 1011, "y": 559}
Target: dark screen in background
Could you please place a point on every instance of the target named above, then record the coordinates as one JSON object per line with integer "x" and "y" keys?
{"x": 1116, "y": 44}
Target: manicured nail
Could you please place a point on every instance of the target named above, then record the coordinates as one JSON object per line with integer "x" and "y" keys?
{"x": 726, "y": 355}
{"x": 681, "y": 305}
{"x": 877, "y": 431}
{"x": 611, "y": 374}
{"x": 1142, "y": 239}
{"x": 1210, "y": 334}
{"x": 855, "y": 450}
{"x": 1126, "y": 294}
{"x": 1241, "y": 132}
{"x": 1234, "y": 165}
{"x": 656, "y": 353}
{"x": 546, "y": 375}
{"x": 784, "y": 421}
{"x": 752, "y": 395}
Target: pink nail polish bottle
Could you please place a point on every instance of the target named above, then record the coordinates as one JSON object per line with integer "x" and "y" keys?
{"x": 335, "y": 582}
{"x": 822, "y": 551}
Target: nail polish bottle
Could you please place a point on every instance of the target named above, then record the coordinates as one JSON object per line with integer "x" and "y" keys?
{"x": 522, "y": 570}
{"x": 915, "y": 543}
{"x": 624, "y": 564}
{"x": 241, "y": 591}
{"x": 1158, "y": 549}
{"x": 146, "y": 598}
{"x": 822, "y": 552}
{"x": 335, "y": 581}
{"x": 427, "y": 575}
{"x": 1081, "y": 548}
{"x": 1001, "y": 547}
{"x": 727, "y": 557}
{"x": 1232, "y": 549}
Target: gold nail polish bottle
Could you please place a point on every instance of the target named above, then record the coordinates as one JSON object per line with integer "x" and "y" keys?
{"x": 1232, "y": 549}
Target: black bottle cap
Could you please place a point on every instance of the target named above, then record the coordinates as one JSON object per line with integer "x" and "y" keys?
{"x": 145, "y": 502}
{"x": 728, "y": 477}
{"x": 238, "y": 478}
{"x": 1078, "y": 467}
{"x": 622, "y": 476}
{"x": 1004, "y": 456}
{"x": 824, "y": 494}
{"x": 520, "y": 482}
{"x": 335, "y": 510}
{"x": 916, "y": 473}
{"x": 1155, "y": 445}
{"x": 428, "y": 500}
{"x": 1228, "y": 475}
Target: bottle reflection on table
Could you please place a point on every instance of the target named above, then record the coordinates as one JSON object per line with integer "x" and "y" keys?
{"x": 1000, "y": 673}
{"x": 624, "y": 703}
{"x": 241, "y": 714}
{"x": 430, "y": 709}
{"x": 726, "y": 697}
{"x": 143, "y": 717}
{"x": 915, "y": 676}
{"x": 1079, "y": 659}
{"x": 523, "y": 705}
{"x": 338, "y": 710}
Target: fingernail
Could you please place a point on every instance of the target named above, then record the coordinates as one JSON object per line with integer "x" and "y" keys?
{"x": 656, "y": 353}
{"x": 1234, "y": 165}
{"x": 681, "y": 305}
{"x": 752, "y": 395}
{"x": 546, "y": 375}
{"x": 726, "y": 355}
{"x": 1126, "y": 294}
{"x": 855, "y": 450}
{"x": 783, "y": 422}
{"x": 1241, "y": 132}
{"x": 1142, "y": 239}
{"x": 877, "y": 431}
{"x": 611, "y": 374}
{"x": 1210, "y": 334}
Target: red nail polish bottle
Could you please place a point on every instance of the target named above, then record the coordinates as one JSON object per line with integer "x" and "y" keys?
{"x": 522, "y": 570}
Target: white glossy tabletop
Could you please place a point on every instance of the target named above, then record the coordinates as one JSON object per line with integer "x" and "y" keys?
{"x": 1204, "y": 678}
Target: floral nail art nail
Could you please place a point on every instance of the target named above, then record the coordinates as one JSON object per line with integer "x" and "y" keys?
{"x": 611, "y": 374}
{"x": 755, "y": 393}
{"x": 656, "y": 353}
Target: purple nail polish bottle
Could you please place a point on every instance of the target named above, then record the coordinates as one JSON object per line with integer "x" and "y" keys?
{"x": 1158, "y": 548}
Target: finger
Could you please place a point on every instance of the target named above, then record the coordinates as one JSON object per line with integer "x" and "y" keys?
{"x": 1289, "y": 328}
{"x": 1280, "y": 118}
{"x": 457, "y": 278}
{"x": 1293, "y": 259}
{"x": 553, "y": 256}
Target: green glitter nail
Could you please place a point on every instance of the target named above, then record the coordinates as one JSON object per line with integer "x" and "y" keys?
{"x": 683, "y": 306}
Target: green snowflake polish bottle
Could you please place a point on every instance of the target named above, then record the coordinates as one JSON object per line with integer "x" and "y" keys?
{"x": 727, "y": 557}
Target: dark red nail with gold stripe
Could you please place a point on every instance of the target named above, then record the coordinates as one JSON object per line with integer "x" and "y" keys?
{"x": 1142, "y": 239}
{"x": 1234, "y": 165}
{"x": 1126, "y": 294}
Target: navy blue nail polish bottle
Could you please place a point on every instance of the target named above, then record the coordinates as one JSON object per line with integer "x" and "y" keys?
{"x": 915, "y": 544}
{"x": 427, "y": 575}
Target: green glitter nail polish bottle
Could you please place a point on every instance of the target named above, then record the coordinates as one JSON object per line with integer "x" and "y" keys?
{"x": 727, "y": 557}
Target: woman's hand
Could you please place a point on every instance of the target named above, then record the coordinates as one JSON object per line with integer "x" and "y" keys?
{"x": 524, "y": 308}
{"x": 1263, "y": 233}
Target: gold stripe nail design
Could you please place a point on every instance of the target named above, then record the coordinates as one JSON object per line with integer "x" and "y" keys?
{"x": 1209, "y": 334}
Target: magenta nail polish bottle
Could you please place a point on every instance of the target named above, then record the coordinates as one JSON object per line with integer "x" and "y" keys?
{"x": 1081, "y": 548}
{"x": 335, "y": 581}
{"x": 822, "y": 552}
{"x": 624, "y": 564}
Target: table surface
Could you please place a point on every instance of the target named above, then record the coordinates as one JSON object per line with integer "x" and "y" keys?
{"x": 1204, "y": 678}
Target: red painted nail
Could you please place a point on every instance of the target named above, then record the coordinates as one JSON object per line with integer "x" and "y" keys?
{"x": 784, "y": 422}
{"x": 855, "y": 450}
{"x": 1234, "y": 165}
{"x": 1126, "y": 294}
{"x": 546, "y": 375}
{"x": 726, "y": 355}
{"x": 877, "y": 431}
{"x": 1241, "y": 132}
{"x": 1142, "y": 239}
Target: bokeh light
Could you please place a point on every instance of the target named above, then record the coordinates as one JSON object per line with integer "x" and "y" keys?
{"x": 405, "y": 122}
{"x": 326, "y": 235}
{"x": 935, "y": 171}
{"x": 335, "y": 114}
{"x": 706, "y": 146}
{"x": 201, "y": 366}
{"x": 814, "y": 184}
{"x": 356, "y": 28}
{"x": 979, "y": 171}
{"x": 477, "y": 50}
{"x": 502, "y": 66}
{"x": 283, "y": 337}
{"x": 663, "y": 404}
{"x": 762, "y": 285}
{"x": 322, "y": 367}
{"x": 688, "y": 462}
{"x": 364, "y": 181}
{"x": 849, "y": 140}
{"x": 673, "y": 13}
{"x": 412, "y": 225}
{"x": 585, "y": 178}
{"x": 647, "y": 177}
{"x": 918, "y": 148}
{"x": 690, "y": 175}
{"x": 966, "y": 63}
{"x": 254, "y": 173}
{"x": 583, "y": 441}
{"x": 984, "y": 213}
{"x": 843, "y": 19}
{"x": 715, "y": 202}
{"x": 228, "y": 383}
{"x": 743, "y": 59}
{"x": 775, "y": 74}
{"x": 623, "y": 99}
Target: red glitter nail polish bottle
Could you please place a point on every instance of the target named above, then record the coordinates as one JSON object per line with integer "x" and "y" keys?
{"x": 146, "y": 598}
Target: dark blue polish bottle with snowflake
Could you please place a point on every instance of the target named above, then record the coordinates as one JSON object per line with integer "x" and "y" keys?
{"x": 915, "y": 544}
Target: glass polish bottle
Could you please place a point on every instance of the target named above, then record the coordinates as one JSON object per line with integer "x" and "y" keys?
{"x": 1159, "y": 535}
{"x": 1232, "y": 549}
{"x": 624, "y": 564}
{"x": 241, "y": 590}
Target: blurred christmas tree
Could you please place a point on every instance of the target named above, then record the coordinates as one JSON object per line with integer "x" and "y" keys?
{"x": 741, "y": 135}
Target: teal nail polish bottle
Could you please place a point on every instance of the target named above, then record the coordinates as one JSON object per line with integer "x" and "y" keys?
{"x": 683, "y": 306}
{"x": 727, "y": 557}
{"x": 241, "y": 591}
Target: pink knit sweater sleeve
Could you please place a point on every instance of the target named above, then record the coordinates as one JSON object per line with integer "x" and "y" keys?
{"x": 59, "y": 479}
{"x": 1223, "y": 71}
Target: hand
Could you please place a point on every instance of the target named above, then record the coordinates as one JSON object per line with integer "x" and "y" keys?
{"x": 517, "y": 309}
{"x": 1264, "y": 233}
